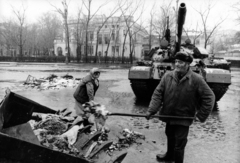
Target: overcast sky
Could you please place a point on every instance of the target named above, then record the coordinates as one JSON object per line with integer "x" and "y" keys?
{"x": 221, "y": 9}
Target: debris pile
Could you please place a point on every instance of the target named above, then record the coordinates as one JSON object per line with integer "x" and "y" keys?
{"x": 125, "y": 139}
{"x": 85, "y": 136}
{"x": 61, "y": 131}
{"x": 51, "y": 82}
{"x": 130, "y": 137}
{"x": 51, "y": 131}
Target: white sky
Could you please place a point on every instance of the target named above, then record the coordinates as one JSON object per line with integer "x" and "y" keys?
{"x": 221, "y": 9}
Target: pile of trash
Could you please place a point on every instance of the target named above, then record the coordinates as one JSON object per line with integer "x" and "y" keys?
{"x": 51, "y": 131}
{"x": 81, "y": 136}
{"x": 125, "y": 139}
{"x": 51, "y": 82}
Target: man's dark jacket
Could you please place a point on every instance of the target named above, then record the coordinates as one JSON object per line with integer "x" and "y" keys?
{"x": 86, "y": 89}
{"x": 188, "y": 97}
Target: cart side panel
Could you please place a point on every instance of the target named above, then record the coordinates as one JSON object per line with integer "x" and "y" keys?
{"x": 16, "y": 109}
{"x": 22, "y": 151}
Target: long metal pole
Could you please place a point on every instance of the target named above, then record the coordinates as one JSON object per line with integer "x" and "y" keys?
{"x": 154, "y": 116}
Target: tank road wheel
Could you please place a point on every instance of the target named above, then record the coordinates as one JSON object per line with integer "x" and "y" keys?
{"x": 143, "y": 89}
{"x": 218, "y": 89}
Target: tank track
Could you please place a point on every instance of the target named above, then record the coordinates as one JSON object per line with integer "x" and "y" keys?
{"x": 218, "y": 89}
{"x": 143, "y": 89}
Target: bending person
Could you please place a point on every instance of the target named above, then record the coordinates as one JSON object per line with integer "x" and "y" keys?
{"x": 86, "y": 90}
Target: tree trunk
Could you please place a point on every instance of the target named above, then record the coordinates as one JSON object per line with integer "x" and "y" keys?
{"x": 130, "y": 45}
{"x": 20, "y": 43}
{"x": 96, "y": 49}
{"x": 108, "y": 46}
{"x": 86, "y": 44}
{"x": 123, "y": 48}
{"x": 68, "y": 45}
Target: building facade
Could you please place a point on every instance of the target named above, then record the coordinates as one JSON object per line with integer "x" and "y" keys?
{"x": 106, "y": 36}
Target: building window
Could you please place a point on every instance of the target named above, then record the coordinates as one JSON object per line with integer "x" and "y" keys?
{"x": 197, "y": 42}
{"x": 99, "y": 39}
{"x": 90, "y": 49}
{"x": 91, "y": 36}
{"x": 117, "y": 49}
{"x": 59, "y": 51}
{"x": 113, "y": 35}
{"x": 117, "y": 39}
{"x": 99, "y": 53}
{"x": 105, "y": 26}
{"x": 106, "y": 39}
{"x": 113, "y": 49}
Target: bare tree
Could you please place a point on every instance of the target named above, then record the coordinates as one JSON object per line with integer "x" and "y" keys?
{"x": 88, "y": 18}
{"x": 128, "y": 12}
{"x": 109, "y": 38}
{"x": 21, "y": 17}
{"x": 101, "y": 25}
{"x": 236, "y": 7}
{"x": 164, "y": 19}
{"x": 139, "y": 29}
{"x": 78, "y": 34}
{"x": 197, "y": 33}
{"x": 152, "y": 14}
{"x": 114, "y": 36}
{"x": 8, "y": 35}
{"x": 237, "y": 38}
{"x": 64, "y": 14}
{"x": 49, "y": 26}
{"x": 207, "y": 32}
{"x": 32, "y": 40}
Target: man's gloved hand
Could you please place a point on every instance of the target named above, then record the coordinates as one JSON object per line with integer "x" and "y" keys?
{"x": 196, "y": 119}
{"x": 148, "y": 115}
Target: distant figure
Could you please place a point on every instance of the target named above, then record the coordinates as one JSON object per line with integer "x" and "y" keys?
{"x": 86, "y": 90}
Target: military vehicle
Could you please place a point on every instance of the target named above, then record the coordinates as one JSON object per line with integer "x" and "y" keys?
{"x": 146, "y": 75}
{"x": 218, "y": 62}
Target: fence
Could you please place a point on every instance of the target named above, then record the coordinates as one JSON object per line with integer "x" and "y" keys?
{"x": 61, "y": 59}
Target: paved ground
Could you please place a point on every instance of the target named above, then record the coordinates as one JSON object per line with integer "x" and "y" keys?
{"x": 215, "y": 141}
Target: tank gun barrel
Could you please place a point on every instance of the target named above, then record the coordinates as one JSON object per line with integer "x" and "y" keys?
{"x": 168, "y": 32}
{"x": 180, "y": 22}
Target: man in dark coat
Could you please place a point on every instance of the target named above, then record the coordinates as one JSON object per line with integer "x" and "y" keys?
{"x": 86, "y": 90}
{"x": 185, "y": 93}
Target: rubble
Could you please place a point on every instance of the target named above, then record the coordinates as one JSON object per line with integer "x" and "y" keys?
{"x": 125, "y": 139}
{"x": 63, "y": 132}
{"x": 51, "y": 82}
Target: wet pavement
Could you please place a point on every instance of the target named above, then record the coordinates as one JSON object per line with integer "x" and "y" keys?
{"x": 216, "y": 140}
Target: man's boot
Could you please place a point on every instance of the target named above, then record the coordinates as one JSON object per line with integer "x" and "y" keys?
{"x": 165, "y": 157}
{"x": 179, "y": 156}
{"x": 169, "y": 155}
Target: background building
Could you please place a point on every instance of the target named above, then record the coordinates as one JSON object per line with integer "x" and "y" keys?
{"x": 110, "y": 37}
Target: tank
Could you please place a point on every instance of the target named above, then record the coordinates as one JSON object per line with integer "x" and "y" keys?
{"x": 146, "y": 75}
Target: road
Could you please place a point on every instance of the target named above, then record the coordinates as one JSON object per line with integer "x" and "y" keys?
{"x": 216, "y": 140}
